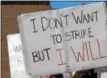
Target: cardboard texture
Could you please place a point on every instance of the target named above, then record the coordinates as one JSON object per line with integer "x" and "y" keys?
{"x": 47, "y": 42}
{"x": 10, "y": 26}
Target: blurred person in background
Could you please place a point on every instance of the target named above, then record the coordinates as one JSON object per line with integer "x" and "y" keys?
{"x": 85, "y": 74}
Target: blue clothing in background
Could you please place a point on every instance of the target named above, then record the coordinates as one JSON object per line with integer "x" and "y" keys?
{"x": 64, "y": 4}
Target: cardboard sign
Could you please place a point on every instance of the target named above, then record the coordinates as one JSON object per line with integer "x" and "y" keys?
{"x": 62, "y": 40}
{"x": 16, "y": 60}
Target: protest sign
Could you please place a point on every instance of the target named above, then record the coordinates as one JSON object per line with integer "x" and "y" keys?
{"x": 69, "y": 39}
{"x": 16, "y": 60}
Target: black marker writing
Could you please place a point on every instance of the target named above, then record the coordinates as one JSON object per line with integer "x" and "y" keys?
{"x": 57, "y": 38}
{"x": 89, "y": 17}
{"x": 40, "y": 55}
{"x": 34, "y": 29}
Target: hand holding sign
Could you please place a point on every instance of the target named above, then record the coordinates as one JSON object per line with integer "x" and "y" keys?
{"x": 64, "y": 40}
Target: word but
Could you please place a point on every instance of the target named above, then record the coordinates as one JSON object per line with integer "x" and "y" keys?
{"x": 41, "y": 55}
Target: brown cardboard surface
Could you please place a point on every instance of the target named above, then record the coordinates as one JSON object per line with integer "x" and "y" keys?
{"x": 10, "y": 26}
